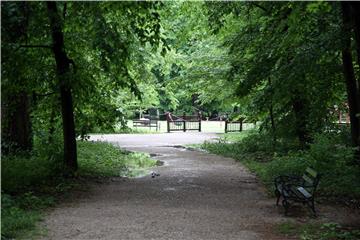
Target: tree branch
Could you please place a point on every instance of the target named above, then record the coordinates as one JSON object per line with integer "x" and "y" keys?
{"x": 73, "y": 64}
{"x": 35, "y": 46}
{"x": 259, "y": 6}
{"x": 64, "y": 11}
{"x": 45, "y": 94}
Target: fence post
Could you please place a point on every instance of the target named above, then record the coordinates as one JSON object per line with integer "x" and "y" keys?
{"x": 241, "y": 125}
{"x": 226, "y": 126}
{"x": 200, "y": 125}
{"x": 168, "y": 126}
{"x": 184, "y": 126}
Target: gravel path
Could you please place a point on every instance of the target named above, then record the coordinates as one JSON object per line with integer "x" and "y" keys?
{"x": 197, "y": 196}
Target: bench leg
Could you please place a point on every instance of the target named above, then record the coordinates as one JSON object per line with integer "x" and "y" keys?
{"x": 278, "y": 195}
{"x": 311, "y": 204}
{"x": 286, "y": 205}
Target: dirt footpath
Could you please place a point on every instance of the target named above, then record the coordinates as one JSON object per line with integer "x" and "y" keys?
{"x": 197, "y": 196}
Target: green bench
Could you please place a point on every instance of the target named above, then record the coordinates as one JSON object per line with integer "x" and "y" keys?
{"x": 297, "y": 189}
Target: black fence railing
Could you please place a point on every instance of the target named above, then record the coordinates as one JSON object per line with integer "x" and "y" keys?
{"x": 233, "y": 126}
{"x": 181, "y": 125}
{"x": 146, "y": 123}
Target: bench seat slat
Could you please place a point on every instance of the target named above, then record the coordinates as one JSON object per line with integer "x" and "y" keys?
{"x": 304, "y": 192}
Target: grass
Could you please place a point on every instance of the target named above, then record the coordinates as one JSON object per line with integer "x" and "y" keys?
{"x": 31, "y": 182}
{"x": 20, "y": 214}
{"x": 328, "y": 154}
{"x": 235, "y": 136}
{"x": 317, "y": 231}
{"x": 110, "y": 161}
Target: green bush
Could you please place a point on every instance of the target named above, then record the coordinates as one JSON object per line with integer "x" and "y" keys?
{"x": 334, "y": 161}
{"x": 328, "y": 154}
{"x": 316, "y": 231}
{"x": 21, "y": 173}
{"x": 17, "y": 219}
{"x": 31, "y": 182}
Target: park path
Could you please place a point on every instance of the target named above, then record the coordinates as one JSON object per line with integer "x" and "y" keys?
{"x": 197, "y": 196}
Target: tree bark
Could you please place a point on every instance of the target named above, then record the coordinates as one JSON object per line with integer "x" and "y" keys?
{"x": 355, "y": 7}
{"x": 63, "y": 73}
{"x": 349, "y": 75}
{"x": 300, "y": 110}
{"x": 271, "y": 113}
{"x": 16, "y": 123}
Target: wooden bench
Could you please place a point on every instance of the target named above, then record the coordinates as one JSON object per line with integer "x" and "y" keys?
{"x": 297, "y": 189}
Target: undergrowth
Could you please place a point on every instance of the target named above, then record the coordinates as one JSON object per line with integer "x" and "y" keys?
{"x": 317, "y": 231}
{"x": 110, "y": 160}
{"x": 329, "y": 154}
{"x": 33, "y": 182}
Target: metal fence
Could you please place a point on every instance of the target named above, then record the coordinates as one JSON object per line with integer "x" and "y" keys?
{"x": 146, "y": 123}
{"x": 181, "y": 125}
{"x": 233, "y": 126}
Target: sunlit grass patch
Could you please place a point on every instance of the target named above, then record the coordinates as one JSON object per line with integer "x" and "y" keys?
{"x": 106, "y": 160}
{"x": 32, "y": 183}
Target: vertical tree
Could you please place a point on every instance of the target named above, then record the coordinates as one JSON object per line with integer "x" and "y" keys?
{"x": 15, "y": 100}
{"x": 349, "y": 75}
{"x": 64, "y": 74}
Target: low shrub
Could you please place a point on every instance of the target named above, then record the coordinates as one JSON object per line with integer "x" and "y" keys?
{"x": 31, "y": 182}
{"x": 19, "y": 214}
{"x": 317, "y": 231}
{"x": 328, "y": 154}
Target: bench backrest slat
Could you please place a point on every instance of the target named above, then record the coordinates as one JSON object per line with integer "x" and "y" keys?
{"x": 311, "y": 179}
{"x": 311, "y": 172}
{"x": 308, "y": 180}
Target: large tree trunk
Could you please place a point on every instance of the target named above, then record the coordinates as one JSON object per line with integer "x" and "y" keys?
{"x": 271, "y": 113}
{"x": 356, "y": 26}
{"x": 16, "y": 123}
{"x": 63, "y": 73}
{"x": 300, "y": 111}
{"x": 350, "y": 80}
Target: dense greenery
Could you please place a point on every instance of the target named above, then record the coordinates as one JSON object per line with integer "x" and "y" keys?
{"x": 273, "y": 63}
{"x": 316, "y": 231}
{"x": 329, "y": 154}
{"x": 38, "y": 184}
{"x": 71, "y": 68}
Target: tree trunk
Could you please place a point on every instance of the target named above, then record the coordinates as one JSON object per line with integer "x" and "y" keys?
{"x": 356, "y": 26}
{"x": 299, "y": 107}
{"x": 63, "y": 73}
{"x": 350, "y": 80}
{"x": 16, "y": 123}
{"x": 271, "y": 113}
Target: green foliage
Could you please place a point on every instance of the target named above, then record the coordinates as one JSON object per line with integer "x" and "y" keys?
{"x": 32, "y": 182}
{"x": 103, "y": 159}
{"x": 20, "y": 173}
{"x": 327, "y": 154}
{"x": 20, "y": 214}
{"x": 317, "y": 231}
{"x": 284, "y": 63}
{"x": 236, "y": 136}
